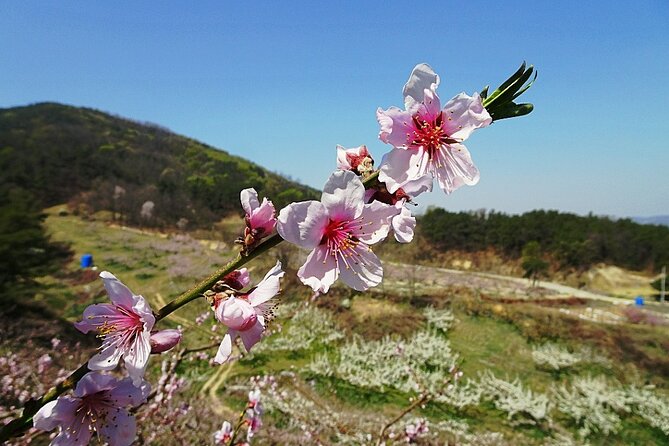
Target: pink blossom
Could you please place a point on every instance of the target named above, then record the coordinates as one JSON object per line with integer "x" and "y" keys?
{"x": 246, "y": 314}
{"x": 97, "y": 405}
{"x": 413, "y": 431}
{"x": 260, "y": 218}
{"x": 357, "y": 159}
{"x": 254, "y": 413}
{"x": 339, "y": 230}
{"x": 224, "y": 434}
{"x": 164, "y": 340}
{"x": 427, "y": 139}
{"x": 402, "y": 223}
{"x": 238, "y": 279}
{"x": 125, "y": 328}
{"x": 43, "y": 363}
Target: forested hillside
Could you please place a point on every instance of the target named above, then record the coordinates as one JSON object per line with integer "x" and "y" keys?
{"x": 570, "y": 240}
{"x": 144, "y": 173}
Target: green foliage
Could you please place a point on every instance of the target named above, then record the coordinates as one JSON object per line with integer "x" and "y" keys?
{"x": 533, "y": 264}
{"x": 574, "y": 241}
{"x": 97, "y": 162}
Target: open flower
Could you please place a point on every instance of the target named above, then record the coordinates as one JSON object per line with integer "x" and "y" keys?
{"x": 224, "y": 434}
{"x": 357, "y": 160}
{"x": 260, "y": 218}
{"x": 97, "y": 406}
{"x": 339, "y": 230}
{"x": 125, "y": 328}
{"x": 246, "y": 314}
{"x": 426, "y": 138}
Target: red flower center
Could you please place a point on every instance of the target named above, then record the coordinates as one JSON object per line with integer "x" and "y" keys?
{"x": 429, "y": 133}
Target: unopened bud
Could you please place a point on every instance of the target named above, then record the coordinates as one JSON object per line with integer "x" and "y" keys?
{"x": 164, "y": 340}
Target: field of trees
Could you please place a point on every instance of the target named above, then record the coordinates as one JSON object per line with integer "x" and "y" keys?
{"x": 544, "y": 370}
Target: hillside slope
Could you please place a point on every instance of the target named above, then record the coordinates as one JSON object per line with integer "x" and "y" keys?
{"x": 61, "y": 153}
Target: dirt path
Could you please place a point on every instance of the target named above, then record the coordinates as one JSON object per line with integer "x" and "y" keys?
{"x": 426, "y": 277}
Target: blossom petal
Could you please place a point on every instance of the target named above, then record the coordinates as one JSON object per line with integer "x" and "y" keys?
{"x": 81, "y": 437}
{"x": 118, "y": 293}
{"x": 263, "y": 217}
{"x": 403, "y": 225}
{"x": 94, "y": 382}
{"x": 342, "y": 160}
{"x": 463, "y": 114}
{"x": 429, "y": 108}
{"x": 252, "y": 336}
{"x": 91, "y": 313}
{"x": 122, "y": 430}
{"x": 137, "y": 357}
{"x": 225, "y": 349}
{"x": 143, "y": 310}
{"x": 343, "y": 195}
{"x": 363, "y": 273}
{"x": 416, "y": 187}
{"x": 319, "y": 271}
{"x": 55, "y": 413}
{"x": 375, "y": 222}
{"x": 249, "y": 199}
{"x": 303, "y": 223}
{"x": 107, "y": 359}
{"x": 268, "y": 287}
{"x": 396, "y": 126}
{"x": 455, "y": 168}
{"x": 422, "y": 78}
{"x": 127, "y": 394}
{"x": 400, "y": 166}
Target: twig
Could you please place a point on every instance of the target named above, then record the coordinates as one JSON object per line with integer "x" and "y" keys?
{"x": 382, "y": 434}
{"x": 21, "y": 424}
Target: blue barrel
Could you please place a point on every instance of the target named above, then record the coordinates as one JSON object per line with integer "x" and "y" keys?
{"x": 87, "y": 260}
{"x": 638, "y": 301}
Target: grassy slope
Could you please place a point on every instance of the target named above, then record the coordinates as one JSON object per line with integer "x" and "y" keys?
{"x": 487, "y": 339}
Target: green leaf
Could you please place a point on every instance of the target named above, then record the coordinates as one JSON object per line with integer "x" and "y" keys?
{"x": 509, "y": 92}
{"x": 484, "y": 92}
{"x": 510, "y": 110}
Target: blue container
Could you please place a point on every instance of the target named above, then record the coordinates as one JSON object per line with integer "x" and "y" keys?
{"x": 638, "y": 301}
{"x": 87, "y": 260}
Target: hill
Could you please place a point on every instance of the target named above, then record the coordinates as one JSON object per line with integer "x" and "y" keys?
{"x": 96, "y": 161}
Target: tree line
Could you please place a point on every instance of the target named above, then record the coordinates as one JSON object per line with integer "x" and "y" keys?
{"x": 571, "y": 240}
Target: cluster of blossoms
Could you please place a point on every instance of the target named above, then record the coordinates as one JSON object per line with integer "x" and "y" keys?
{"x": 359, "y": 207}
{"x": 415, "y": 430}
{"x": 251, "y": 418}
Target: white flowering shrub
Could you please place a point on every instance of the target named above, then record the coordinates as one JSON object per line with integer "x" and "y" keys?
{"x": 424, "y": 361}
{"x": 593, "y": 404}
{"x": 555, "y": 357}
{"x": 512, "y": 398}
{"x": 650, "y": 406}
{"x": 465, "y": 393}
{"x": 308, "y": 325}
{"x": 440, "y": 319}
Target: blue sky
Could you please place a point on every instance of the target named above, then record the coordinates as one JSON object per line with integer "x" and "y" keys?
{"x": 281, "y": 83}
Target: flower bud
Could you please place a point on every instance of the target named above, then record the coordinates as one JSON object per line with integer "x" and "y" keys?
{"x": 164, "y": 340}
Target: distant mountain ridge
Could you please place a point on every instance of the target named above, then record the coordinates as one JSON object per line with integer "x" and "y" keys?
{"x": 653, "y": 220}
{"x": 92, "y": 159}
